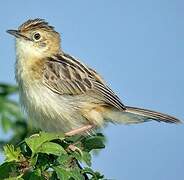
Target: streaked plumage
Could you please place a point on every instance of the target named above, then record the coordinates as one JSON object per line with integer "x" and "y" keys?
{"x": 65, "y": 75}
{"x": 59, "y": 93}
{"x": 33, "y": 24}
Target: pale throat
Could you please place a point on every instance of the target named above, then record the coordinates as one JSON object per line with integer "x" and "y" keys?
{"x": 27, "y": 49}
{"x": 29, "y": 62}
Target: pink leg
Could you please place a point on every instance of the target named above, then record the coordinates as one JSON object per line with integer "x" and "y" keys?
{"x": 79, "y": 130}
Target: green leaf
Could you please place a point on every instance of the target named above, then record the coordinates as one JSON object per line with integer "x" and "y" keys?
{"x": 76, "y": 174}
{"x": 99, "y": 176}
{"x": 86, "y": 157}
{"x": 77, "y": 155}
{"x": 34, "y": 175}
{"x": 51, "y": 148}
{"x": 5, "y": 122}
{"x": 34, "y": 160}
{"x": 68, "y": 174}
{"x": 74, "y": 139}
{"x": 64, "y": 159}
{"x": 8, "y": 169}
{"x": 6, "y": 89}
{"x": 44, "y": 161}
{"x": 95, "y": 175}
{"x": 94, "y": 142}
{"x": 11, "y": 153}
{"x": 15, "y": 178}
{"x": 87, "y": 170}
{"x": 35, "y": 141}
{"x": 61, "y": 173}
{"x": 12, "y": 107}
{"x": 53, "y": 176}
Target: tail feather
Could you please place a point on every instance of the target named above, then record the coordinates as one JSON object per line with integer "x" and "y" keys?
{"x": 152, "y": 115}
{"x": 132, "y": 115}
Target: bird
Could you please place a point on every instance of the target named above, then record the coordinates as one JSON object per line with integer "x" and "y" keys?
{"x": 59, "y": 93}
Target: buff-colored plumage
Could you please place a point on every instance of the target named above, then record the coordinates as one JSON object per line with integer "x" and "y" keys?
{"x": 58, "y": 92}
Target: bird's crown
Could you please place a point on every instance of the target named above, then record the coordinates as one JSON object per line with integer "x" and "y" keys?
{"x": 33, "y": 24}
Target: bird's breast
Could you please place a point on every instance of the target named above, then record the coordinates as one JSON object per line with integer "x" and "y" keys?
{"x": 48, "y": 110}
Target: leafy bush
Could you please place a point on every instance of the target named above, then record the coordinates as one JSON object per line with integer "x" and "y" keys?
{"x": 43, "y": 155}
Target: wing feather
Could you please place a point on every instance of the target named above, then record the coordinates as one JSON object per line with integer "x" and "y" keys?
{"x": 64, "y": 74}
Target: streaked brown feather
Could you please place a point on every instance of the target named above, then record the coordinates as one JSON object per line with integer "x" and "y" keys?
{"x": 71, "y": 77}
{"x": 32, "y": 24}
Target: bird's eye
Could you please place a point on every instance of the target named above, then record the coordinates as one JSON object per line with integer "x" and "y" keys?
{"x": 36, "y": 36}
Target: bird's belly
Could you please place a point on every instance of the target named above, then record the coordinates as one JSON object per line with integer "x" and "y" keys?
{"x": 50, "y": 111}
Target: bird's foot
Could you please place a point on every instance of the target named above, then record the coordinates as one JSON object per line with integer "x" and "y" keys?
{"x": 73, "y": 148}
{"x": 35, "y": 135}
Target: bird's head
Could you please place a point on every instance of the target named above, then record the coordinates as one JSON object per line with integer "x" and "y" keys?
{"x": 36, "y": 38}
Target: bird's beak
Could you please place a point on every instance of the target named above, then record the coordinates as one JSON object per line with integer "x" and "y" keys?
{"x": 17, "y": 34}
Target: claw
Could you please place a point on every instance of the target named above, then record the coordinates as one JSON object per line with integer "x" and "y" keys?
{"x": 73, "y": 148}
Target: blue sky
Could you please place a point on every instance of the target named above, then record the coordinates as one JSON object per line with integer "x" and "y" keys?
{"x": 138, "y": 48}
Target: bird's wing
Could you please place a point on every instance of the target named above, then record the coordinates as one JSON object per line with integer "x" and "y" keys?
{"x": 65, "y": 75}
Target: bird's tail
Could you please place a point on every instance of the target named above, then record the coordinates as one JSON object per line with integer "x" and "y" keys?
{"x": 133, "y": 115}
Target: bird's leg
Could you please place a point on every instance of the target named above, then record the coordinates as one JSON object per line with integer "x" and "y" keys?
{"x": 79, "y": 130}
